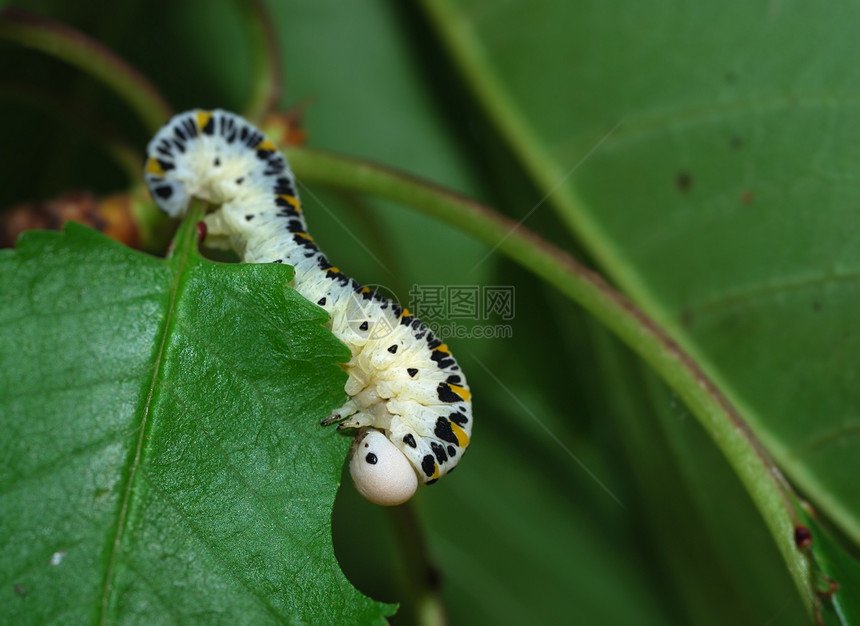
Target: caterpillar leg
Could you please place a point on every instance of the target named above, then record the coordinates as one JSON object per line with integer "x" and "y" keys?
{"x": 356, "y": 419}
{"x": 343, "y": 413}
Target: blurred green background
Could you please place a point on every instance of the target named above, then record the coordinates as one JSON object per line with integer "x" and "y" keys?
{"x": 724, "y": 203}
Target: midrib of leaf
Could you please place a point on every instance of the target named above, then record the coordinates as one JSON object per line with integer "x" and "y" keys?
{"x": 178, "y": 260}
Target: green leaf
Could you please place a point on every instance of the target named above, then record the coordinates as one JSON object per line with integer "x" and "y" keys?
{"x": 724, "y": 203}
{"x": 162, "y": 454}
{"x": 708, "y": 536}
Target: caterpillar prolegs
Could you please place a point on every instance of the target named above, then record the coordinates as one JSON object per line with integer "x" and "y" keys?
{"x": 407, "y": 396}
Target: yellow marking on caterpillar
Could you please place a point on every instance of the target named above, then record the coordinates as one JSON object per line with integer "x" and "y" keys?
{"x": 464, "y": 393}
{"x": 292, "y": 201}
{"x": 304, "y": 236}
{"x": 462, "y": 437}
{"x": 365, "y": 290}
{"x": 444, "y": 348}
{"x": 203, "y": 118}
{"x": 154, "y": 167}
{"x": 266, "y": 144}
{"x": 435, "y": 471}
{"x": 406, "y": 313}
{"x": 334, "y": 269}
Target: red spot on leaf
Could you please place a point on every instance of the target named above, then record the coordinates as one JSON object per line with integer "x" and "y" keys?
{"x": 802, "y": 537}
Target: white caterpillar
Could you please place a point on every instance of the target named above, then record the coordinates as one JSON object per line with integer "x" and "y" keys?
{"x": 407, "y": 395}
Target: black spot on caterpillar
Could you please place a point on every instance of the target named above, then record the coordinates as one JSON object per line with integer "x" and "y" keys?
{"x": 412, "y": 412}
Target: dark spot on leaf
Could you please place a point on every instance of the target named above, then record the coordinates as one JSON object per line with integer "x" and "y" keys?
{"x": 736, "y": 143}
{"x": 684, "y": 181}
{"x": 687, "y": 318}
{"x": 747, "y": 197}
{"x": 802, "y": 537}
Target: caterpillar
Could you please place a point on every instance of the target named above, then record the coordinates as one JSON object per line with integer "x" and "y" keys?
{"x": 408, "y": 398}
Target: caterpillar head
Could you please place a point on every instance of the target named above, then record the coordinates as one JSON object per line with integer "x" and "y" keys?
{"x": 380, "y": 471}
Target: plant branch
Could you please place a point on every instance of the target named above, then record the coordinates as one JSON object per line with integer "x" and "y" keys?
{"x": 422, "y": 577}
{"x": 75, "y": 48}
{"x": 71, "y": 113}
{"x": 266, "y": 58}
